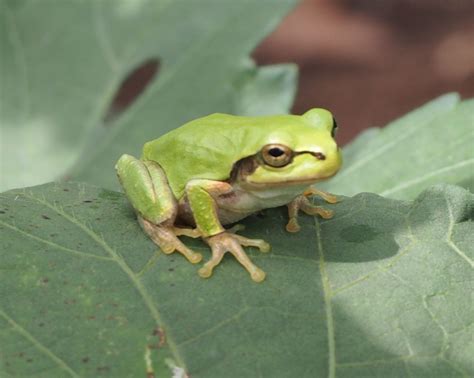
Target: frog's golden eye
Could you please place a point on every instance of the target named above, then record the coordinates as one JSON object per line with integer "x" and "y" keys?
{"x": 276, "y": 155}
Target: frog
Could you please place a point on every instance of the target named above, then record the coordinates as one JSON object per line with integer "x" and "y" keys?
{"x": 216, "y": 170}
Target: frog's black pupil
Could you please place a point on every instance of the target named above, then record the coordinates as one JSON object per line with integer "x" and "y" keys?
{"x": 275, "y": 152}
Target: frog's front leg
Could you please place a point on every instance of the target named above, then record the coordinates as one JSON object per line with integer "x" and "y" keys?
{"x": 147, "y": 189}
{"x": 201, "y": 194}
{"x": 302, "y": 203}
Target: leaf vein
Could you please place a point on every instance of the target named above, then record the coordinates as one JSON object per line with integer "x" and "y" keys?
{"x": 55, "y": 245}
{"x": 103, "y": 38}
{"x": 450, "y": 235}
{"x": 409, "y": 183}
{"x": 379, "y": 269}
{"x": 126, "y": 269}
{"x": 327, "y": 304}
{"x": 22, "y": 331}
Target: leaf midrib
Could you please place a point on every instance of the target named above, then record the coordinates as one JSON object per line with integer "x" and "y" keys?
{"x": 327, "y": 296}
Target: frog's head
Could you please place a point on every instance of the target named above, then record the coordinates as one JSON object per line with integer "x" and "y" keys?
{"x": 300, "y": 151}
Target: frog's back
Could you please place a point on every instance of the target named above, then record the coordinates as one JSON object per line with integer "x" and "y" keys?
{"x": 208, "y": 147}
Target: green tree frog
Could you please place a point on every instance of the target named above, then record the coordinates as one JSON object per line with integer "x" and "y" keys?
{"x": 218, "y": 169}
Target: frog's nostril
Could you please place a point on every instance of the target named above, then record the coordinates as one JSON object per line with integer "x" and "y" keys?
{"x": 320, "y": 156}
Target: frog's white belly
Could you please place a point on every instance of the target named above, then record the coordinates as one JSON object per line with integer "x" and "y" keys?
{"x": 240, "y": 203}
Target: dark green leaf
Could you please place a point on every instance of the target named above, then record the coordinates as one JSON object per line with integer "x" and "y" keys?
{"x": 382, "y": 289}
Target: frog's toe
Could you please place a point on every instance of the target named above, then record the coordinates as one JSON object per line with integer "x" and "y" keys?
{"x": 262, "y": 245}
{"x": 328, "y": 197}
{"x": 177, "y": 245}
{"x": 236, "y": 228}
{"x": 258, "y": 275}
{"x": 317, "y": 210}
{"x": 218, "y": 251}
{"x": 189, "y": 232}
{"x": 292, "y": 225}
{"x": 194, "y": 258}
{"x": 205, "y": 271}
{"x": 167, "y": 248}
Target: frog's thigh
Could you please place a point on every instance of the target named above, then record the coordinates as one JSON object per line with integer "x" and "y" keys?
{"x": 147, "y": 189}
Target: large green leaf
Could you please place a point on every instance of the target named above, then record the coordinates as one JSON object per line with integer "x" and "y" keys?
{"x": 62, "y": 62}
{"x": 382, "y": 289}
{"x": 431, "y": 145}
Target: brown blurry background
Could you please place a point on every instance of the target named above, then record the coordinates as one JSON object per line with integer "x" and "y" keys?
{"x": 370, "y": 61}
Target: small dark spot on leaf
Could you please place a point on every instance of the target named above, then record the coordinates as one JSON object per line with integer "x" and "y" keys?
{"x": 41, "y": 325}
{"x": 87, "y": 201}
{"x": 21, "y": 354}
{"x": 45, "y": 280}
{"x": 91, "y": 317}
{"x": 52, "y": 235}
{"x": 66, "y": 189}
{"x": 45, "y": 216}
{"x": 170, "y": 269}
{"x": 85, "y": 360}
{"x": 2, "y": 212}
{"x": 172, "y": 284}
{"x": 97, "y": 219}
{"x": 29, "y": 360}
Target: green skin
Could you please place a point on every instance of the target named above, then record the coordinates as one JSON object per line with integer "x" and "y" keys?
{"x": 221, "y": 168}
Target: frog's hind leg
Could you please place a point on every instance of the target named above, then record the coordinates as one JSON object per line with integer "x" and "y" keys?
{"x": 165, "y": 237}
{"x": 147, "y": 189}
{"x": 302, "y": 203}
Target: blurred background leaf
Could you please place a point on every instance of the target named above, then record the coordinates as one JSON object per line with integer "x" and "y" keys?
{"x": 382, "y": 289}
{"x": 430, "y": 145}
{"x": 62, "y": 64}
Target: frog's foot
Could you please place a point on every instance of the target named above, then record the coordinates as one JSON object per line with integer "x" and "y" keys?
{"x": 303, "y": 203}
{"x": 166, "y": 238}
{"x": 228, "y": 242}
{"x": 328, "y": 197}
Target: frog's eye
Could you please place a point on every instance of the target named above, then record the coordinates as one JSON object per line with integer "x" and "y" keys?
{"x": 334, "y": 127}
{"x": 276, "y": 155}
